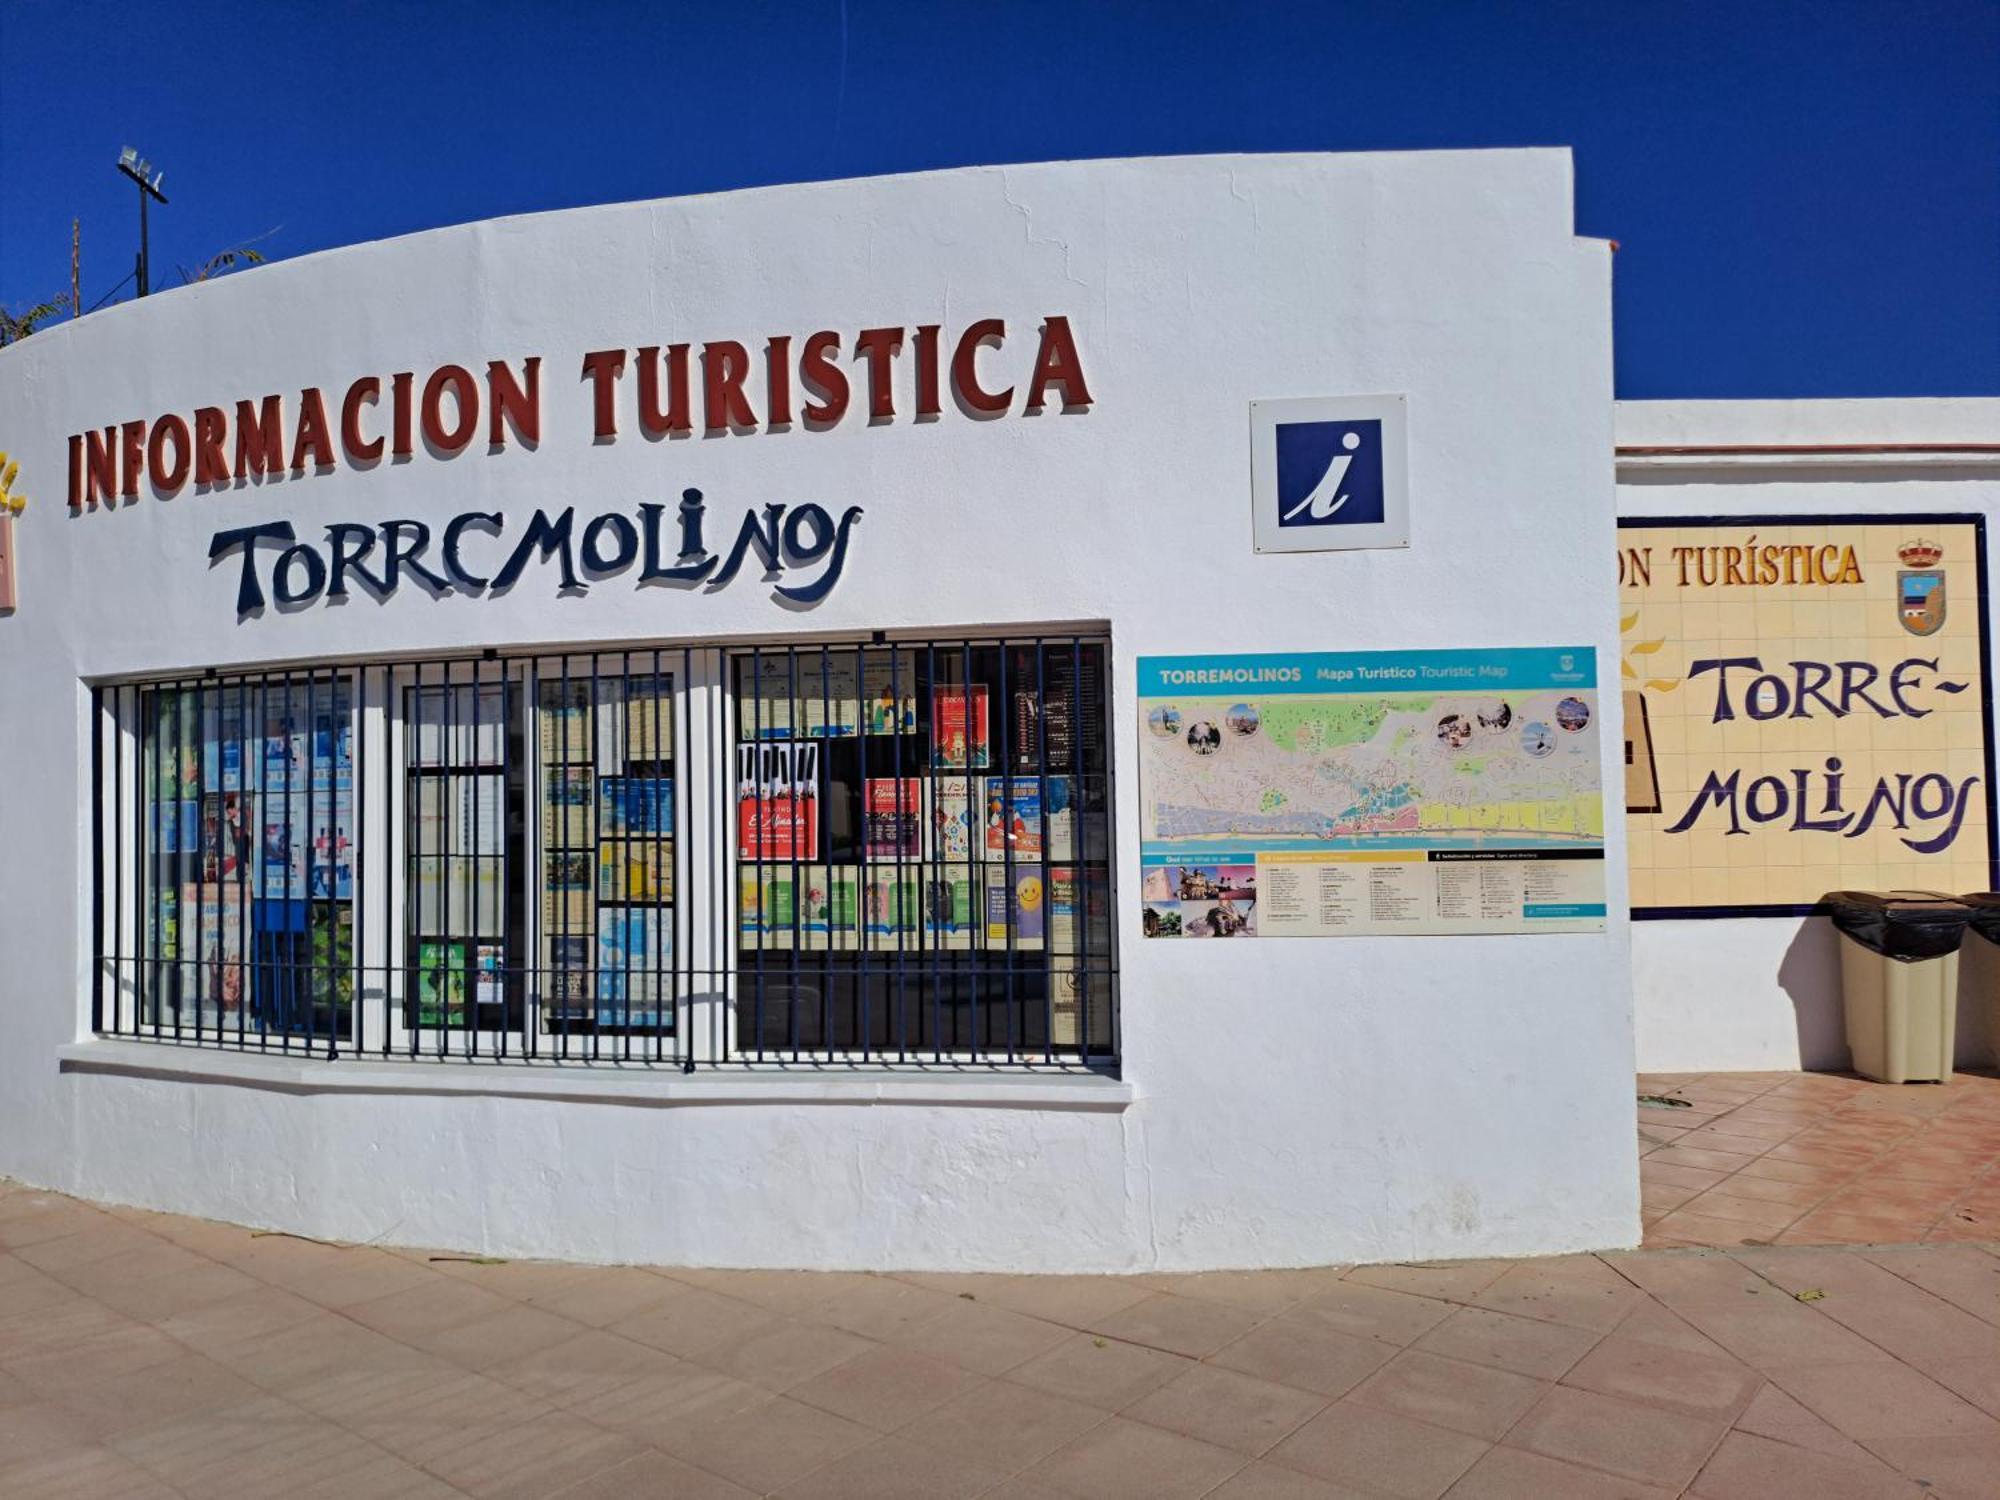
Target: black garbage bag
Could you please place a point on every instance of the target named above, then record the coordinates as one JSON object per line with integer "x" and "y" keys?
{"x": 1985, "y": 906}
{"x": 1904, "y": 925}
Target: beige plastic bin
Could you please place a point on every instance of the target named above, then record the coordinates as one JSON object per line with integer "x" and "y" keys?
{"x": 1979, "y": 968}
{"x": 1902, "y": 1016}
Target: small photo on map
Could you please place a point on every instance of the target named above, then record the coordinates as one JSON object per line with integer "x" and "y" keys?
{"x": 1537, "y": 739}
{"x": 1494, "y": 715}
{"x": 1219, "y": 918}
{"x": 1158, "y": 883}
{"x": 1243, "y": 719}
{"x": 1572, "y": 714}
{"x": 1162, "y": 919}
{"x": 1197, "y": 882}
{"x": 1454, "y": 731}
{"x": 1238, "y": 882}
{"x": 1165, "y": 722}
{"x": 1203, "y": 737}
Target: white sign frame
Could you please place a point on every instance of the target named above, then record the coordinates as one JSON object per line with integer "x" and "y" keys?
{"x": 1393, "y": 530}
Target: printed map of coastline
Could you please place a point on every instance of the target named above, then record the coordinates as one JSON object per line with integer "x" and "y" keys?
{"x": 1373, "y": 772}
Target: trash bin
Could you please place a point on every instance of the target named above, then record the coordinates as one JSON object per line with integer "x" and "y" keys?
{"x": 1899, "y": 980}
{"x": 1979, "y": 965}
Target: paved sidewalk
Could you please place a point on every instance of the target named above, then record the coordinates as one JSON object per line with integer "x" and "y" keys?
{"x": 1818, "y": 1159}
{"x": 144, "y": 1355}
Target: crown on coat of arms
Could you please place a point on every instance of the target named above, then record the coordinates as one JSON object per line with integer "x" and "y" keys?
{"x": 1920, "y": 554}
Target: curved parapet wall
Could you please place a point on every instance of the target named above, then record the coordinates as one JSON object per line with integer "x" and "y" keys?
{"x": 1007, "y": 398}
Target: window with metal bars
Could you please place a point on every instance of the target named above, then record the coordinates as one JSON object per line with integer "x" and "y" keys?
{"x": 923, "y": 851}
{"x": 813, "y": 854}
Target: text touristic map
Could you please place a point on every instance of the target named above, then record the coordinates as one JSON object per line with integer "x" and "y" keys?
{"x": 1421, "y": 792}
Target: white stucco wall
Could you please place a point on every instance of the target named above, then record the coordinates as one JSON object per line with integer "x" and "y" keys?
{"x": 1298, "y": 1102}
{"x": 1764, "y": 992}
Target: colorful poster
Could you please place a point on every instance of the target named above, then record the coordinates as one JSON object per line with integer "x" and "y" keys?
{"x": 892, "y": 905}
{"x": 1016, "y": 907}
{"x": 954, "y": 827}
{"x": 895, "y": 824}
{"x": 282, "y": 849}
{"x": 489, "y": 968}
{"x": 810, "y": 906}
{"x": 960, "y": 736}
{"x": 441, "y": 984}
{"x": 949, "y": 916}
{"x": 1371, "y": 793}
{"x": 212, "y": 922}
{"x": 173, "y": 747}
{"x": 777, "y": 800}
{"x": 1806, "y": 710}
{"x": 636, "y": 870}
{"x": 634, "y": 967}
{"x": 1024, "y": 812}
{"x": 635, "y": 806}
{"x": 330, "y": 856}
{"x": 227, "y": 843}
{"x": 177, "y": 826}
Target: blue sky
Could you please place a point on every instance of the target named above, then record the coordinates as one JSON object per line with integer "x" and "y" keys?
{"x": 1807, "y": 195}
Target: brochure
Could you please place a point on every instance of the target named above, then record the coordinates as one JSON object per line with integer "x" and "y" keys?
{"x": 330, "y": 859}
{"x": 172, "y": 750}
{"x": 226, "y": 842}
{"x": 230, "y": 740}
{"x": 1021, "y": 810}
{"x": 649, "y": 719}
{"x": 478, "y": 813}
{"x": 636, "y": 870}
{"x": 893, "y": 905}
{"x": 459, "y": 896}
{"x": 213, "y": 918}
{"x": 818, "y": 909}
{"x": 635, "y": 806}
{"x": 1054, "y": 710}
{"x": 460, "y": 725}
{"x": 952, "y": 837}
{"x": 1016, "y": 910}
{"x": 948, "y": 908}
{"x": 634, "y": 967}
{"x": 568, "y": 910}
{"x": 441, "y": 984}
{"x": 571, "y": 733}
{"x": 566, "y": 976}
{"x": 177, "y": 826}
{"x": 814, "y": 694}
{"x": 566, "y": 806}
{"x": 959, "y": 731}
{"x": 894, "y": 808}
{"x": 1080, "y": 928}
{"x": 777, "y": 809}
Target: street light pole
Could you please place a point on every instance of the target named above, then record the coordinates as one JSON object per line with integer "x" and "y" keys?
{"x": 141, "y": 171}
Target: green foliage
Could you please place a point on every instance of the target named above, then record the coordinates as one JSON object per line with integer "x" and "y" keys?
{"x": 15, "y": 326}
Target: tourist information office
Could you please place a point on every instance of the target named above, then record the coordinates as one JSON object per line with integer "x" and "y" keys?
{"x": 498, "y": 724}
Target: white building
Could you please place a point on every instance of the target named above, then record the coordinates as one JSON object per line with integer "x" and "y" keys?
{"x": 1762, "y": 992}
{"x": 430, "y": 872}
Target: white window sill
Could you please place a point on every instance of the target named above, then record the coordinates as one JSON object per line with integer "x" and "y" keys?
{"x": 605, "y": 1082}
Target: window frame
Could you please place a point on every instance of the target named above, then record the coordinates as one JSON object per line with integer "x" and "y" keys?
{"x": 704, "y": 991}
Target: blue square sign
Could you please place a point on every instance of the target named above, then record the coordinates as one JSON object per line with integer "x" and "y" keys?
{"x": 1329, "y": 473}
